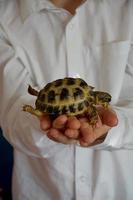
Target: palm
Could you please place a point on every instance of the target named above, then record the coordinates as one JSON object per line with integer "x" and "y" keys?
{"x": 67, "y": 130}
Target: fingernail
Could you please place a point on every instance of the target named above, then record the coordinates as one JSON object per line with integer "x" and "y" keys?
{"x": 53, "y": 133}
{"x": 45, "y": 126}
{"x": 84, "y": 144}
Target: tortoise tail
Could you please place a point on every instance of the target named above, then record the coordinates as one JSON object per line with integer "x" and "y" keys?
{"x": 32, "y": 91}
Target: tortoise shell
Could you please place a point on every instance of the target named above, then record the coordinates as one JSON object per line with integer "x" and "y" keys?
{"x": 64, "y": 96}
{"x": 70, "y": 96}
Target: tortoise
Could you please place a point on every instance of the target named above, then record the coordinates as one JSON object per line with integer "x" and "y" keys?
{"x": 70, "y": 96}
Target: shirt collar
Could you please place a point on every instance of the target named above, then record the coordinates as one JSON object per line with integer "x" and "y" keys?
{"x": 28, "y": 7}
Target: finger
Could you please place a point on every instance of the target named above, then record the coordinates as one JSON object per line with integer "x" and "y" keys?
{"x": 98, "y": 133}
{"x": 91, "y": 134}
{"x": 108, "y": 117}
{"x": 58, "y": 136}
{"x": 45, "y": 122}
{"x": 72, "y": 133}
{"x": 83, "y": 143}
{"x": 83, "y": 119}
{"x": 73, "y": 123}
{"x": 85, "y": 131}
{"x": 97, "y": 141}
{"x": 60, "y": 122}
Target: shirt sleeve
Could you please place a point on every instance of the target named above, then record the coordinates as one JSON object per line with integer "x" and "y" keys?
{"x": 121, "y": 136}
{"x": 21, "y": 129}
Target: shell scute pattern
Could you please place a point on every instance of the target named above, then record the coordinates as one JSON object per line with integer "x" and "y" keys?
{"x": 70, "y": 96}
{"x": 63, "y": 96}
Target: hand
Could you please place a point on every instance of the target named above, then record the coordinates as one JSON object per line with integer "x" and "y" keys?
{"x": 70, "y": 130}
{"x": 63, "y": 129}
{"x": 92, "y": 135}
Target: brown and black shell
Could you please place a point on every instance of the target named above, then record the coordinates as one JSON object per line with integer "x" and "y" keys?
{"x": 69, "y": 96}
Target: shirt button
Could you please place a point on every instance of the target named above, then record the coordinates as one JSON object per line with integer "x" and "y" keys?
{"x": 83, "y": 179}
{"x": 71, "y": 26}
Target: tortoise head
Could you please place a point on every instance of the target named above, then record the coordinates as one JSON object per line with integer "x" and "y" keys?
{"x": 101, "y": 98}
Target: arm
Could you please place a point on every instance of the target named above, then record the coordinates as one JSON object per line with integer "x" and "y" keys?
{"x": 21, "y": 129}
{"x": 122, "y": 135}
{"x": 117, "y": 137}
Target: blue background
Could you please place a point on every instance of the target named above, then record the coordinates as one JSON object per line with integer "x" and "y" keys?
{"x": 6, "y": 164}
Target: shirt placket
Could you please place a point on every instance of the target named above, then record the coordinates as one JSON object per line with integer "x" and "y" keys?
{"x": 75, "y": 67}
{"x": 73, "y": 49}
{"x": 83, "y": 174}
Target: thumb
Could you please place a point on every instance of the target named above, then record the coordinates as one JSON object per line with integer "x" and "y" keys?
{"x": 108, "y": 117}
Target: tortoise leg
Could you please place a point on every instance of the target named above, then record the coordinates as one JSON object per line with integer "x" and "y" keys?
{"x": 105, "y": 105}
{"x": 92, "y": 114}
{"x": 33, "y": 111}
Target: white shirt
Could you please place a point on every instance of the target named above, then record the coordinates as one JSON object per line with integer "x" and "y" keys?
{"x": 40, "y": 43}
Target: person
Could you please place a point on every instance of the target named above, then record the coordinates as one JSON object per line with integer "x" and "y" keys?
{"x": 66, "y": 158}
